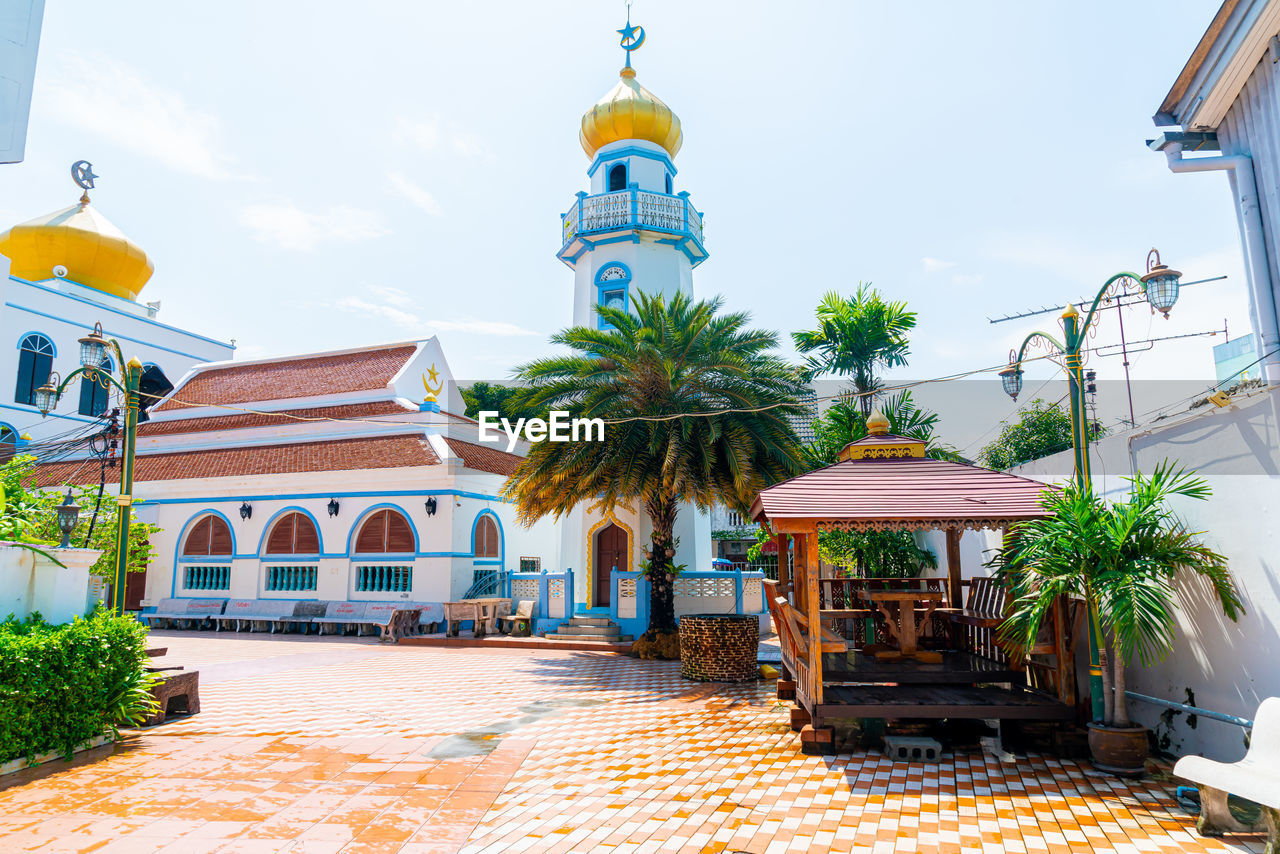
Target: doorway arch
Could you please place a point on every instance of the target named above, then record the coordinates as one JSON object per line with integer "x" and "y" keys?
{"x": 609, "y": 550}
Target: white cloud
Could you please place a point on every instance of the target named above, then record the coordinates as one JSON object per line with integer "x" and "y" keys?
{"x": 290, "y": 227}
{"x": 967, "y": 278}
{"x": 933, "y": 265}
{"x": 416, "y": 195}
{"x": 434, "y": 133}
{"x": 389, "y": 313}
{"x": 480, "y": 327}
{"x": 393, "y": 296}
{"x": 110, "y": 99}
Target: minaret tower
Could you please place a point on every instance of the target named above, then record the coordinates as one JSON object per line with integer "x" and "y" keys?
{"x": 633, "y": 232}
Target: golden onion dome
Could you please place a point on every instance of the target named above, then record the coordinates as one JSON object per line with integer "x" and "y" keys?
{"x": 94, "y": 252}
{"x": 630, "y": 111}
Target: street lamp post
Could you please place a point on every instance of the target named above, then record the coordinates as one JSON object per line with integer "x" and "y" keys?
{"x": 93, "y": 352}
{"x": 1160, "y": 286}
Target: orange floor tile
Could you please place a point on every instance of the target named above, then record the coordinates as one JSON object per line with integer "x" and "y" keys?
{"x": 332, "y": 745}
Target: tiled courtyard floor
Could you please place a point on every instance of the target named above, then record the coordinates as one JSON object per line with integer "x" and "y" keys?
{"x": 308, "y": 745}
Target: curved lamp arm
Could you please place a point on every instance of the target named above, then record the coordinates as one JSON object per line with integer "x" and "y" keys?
{"x": 1102, "y": 292}
{"x": 1022, "y": 351}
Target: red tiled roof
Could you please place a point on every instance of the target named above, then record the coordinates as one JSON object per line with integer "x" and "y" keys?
{"x": 480, "y": 458}
{"x": 914, "y": 492}
{"x": 305, "y": 376}
{"x": 266, "y": 419}
{"x": 338, "y": 455}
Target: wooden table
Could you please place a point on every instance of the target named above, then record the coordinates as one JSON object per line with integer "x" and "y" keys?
{"x": 899, "y": 609}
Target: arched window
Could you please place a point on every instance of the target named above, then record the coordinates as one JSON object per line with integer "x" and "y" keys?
{"x": 293, "y": 534}
{"x": 35, "y": 362}
{"x": 486, "y": 537}
{"x": 95, "y": 389}
{"x": 385, "y": 532}
{"x": 617, "y": 177}
{"x": 8, "y": 442}
{"x": 612, "y": 282}
{"x": 210, "y": 537}
{"x": 668, "y": 183}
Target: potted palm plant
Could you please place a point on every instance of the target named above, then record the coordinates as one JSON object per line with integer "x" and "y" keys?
{"x": 1121, "y": 558}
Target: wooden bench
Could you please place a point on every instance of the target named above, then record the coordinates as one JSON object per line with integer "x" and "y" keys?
{"x": 518, "y": 624}
{"x": 177, "y": 612}
{"x": 983, "y": 607}
{"x": 1255, "y": 778}
{"x": 179, "y": 689}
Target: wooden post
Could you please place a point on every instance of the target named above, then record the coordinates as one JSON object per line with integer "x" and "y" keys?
{"x": 954, "y": 590}
{"x": 784, "y": 573}
{"x": 799, "y": 581}
{"x": 813, "y": 603}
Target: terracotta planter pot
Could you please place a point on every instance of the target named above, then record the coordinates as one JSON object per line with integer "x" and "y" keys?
{"x": 1119, "y": 750}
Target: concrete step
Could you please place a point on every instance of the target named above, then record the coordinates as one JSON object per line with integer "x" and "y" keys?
{"x": 589, "y": 621}
{"x": 556, "y": 636}
{"x": 588, "y": 631}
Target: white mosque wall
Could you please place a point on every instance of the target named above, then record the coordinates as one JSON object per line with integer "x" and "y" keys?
{"x": 63, "y": 312}
{"x": 654, "y": 267}
{"x": 647, "y": 165}
{"x": 443, "y": 562}
{"x": 1226, "y": 666}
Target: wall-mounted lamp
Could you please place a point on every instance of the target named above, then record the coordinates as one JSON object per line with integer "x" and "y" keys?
{"x": 333, "y": 507}
{"x": 431, "y": 506}
{"x": 68, "y": 514}
{"x": 246, "y": 510}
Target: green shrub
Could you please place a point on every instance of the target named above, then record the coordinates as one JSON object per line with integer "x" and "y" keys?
{"x": 61, "y": 686}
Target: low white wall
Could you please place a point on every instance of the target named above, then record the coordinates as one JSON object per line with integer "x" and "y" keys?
{"x": 31, "y": 583}
{"x": 1227, "y": 667}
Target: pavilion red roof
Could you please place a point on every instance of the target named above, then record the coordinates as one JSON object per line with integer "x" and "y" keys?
{"x": 907, "y": 493}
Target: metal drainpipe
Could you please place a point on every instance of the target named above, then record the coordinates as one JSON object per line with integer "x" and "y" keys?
{"x": 1192, "y": 710}
{"x": 1245, "y": 189}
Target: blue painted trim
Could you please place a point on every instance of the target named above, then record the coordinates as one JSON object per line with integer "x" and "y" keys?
{"x": 129, "y": 315}
{"x": 182, "y": 538}
{"x": 32, "y": 410}
{"x": 266, "y": 531}
{"x": 607, "y": 265}
{"x": 391, "y": 493}
{"x": 631, "y": 151}
{"x": 114, "y": 334}
{"x": 355, "y": 529}
{"x": 626, "y": 175}
{"x": 502, "y": 538}
{"x": 24, "y": 336}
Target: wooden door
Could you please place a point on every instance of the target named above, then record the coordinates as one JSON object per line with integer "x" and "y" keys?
{"x": 135, "y": 588}
{"x": 611, "y": 552}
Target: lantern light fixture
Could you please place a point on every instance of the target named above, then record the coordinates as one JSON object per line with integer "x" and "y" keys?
{"x": 93, "y": 348}
{"x": 46, "y": 396}
{"x": 1160, "y": 284}
{"x": 333, "y": 507}
{"x": 431, "y": 506}
{"x": 1011, "y": 379}
{"x": 246, "y": 510}
{"x": 68, "y": 514}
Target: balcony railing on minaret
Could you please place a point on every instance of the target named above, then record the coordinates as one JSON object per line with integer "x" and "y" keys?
{"x": 604, "y": 212}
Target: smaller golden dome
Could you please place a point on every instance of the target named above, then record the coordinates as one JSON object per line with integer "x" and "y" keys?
{"x": 877, "y": 424}
{"x": 630, "y": 111}
{"x": 94, "y": 252}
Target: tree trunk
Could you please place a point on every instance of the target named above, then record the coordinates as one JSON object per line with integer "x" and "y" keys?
{"x": 1108, "y": 692}
{"x": 1121, "y": 701}
{"x": 662, "y": 602}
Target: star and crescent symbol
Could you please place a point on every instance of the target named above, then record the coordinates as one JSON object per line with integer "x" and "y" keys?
{"x": 632, "y": 38}
{"x": 433, "y": 386}
{"x": 82, "y": 174}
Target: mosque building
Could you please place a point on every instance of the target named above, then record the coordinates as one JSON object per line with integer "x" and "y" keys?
{"x": 353, "y": 474}
{"x": 632, "y": 233}
{"x": 60, "y": 275}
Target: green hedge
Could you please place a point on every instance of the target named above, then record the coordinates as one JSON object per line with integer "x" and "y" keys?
{"x": 61, "y": 686}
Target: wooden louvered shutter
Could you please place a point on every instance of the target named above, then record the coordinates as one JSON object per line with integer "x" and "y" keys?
{"x": 198, "y": 538}
{"x": 306, "y": 541}
{"x": 281, "y": 540}
{"x": 373, "y": 534}
{"x": 486, "y": 538}
{"x": 219, "y": 537}
{"x": 399, "y": 534}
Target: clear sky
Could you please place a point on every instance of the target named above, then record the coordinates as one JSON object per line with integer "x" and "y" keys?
{"x": 323, "y": 175}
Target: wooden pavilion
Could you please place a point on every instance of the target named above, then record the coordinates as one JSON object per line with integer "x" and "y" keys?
{"x": 916, "y": 650}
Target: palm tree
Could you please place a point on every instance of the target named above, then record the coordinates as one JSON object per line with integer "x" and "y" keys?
{"x": 1123, "y": 559}
{"x": 857, "y": 335}
{"x": 697, "y": 411}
